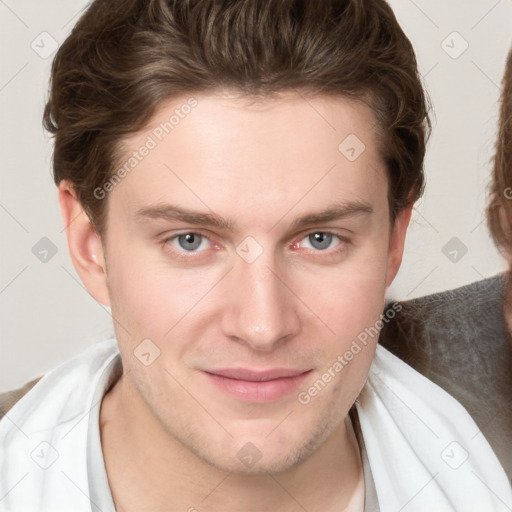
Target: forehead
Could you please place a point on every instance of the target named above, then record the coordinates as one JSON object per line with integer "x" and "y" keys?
{"x": 227, "y": 151}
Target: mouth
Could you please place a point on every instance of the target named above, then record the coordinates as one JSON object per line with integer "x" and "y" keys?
{"x": 258, "y": 386}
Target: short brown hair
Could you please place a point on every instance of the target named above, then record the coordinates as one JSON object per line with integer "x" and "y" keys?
{"x": 499, "y": 211}
{"x": 124, "y": 57}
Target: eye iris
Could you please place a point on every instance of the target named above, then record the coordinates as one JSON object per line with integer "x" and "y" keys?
{"x": 189, "y": 241}
{"x": 320, "y": 240}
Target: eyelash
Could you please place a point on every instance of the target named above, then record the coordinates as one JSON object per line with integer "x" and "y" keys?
{"x": 187, "y": 255}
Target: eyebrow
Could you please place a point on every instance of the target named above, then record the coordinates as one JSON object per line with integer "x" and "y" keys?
{"x": 170, "y": 212}
{"x": 336, "y": 212}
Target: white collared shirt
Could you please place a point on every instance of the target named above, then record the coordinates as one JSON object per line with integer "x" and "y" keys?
{"x": 420, "y": 452}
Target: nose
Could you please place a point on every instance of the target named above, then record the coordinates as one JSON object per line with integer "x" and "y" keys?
{"x": 261, "y": 310}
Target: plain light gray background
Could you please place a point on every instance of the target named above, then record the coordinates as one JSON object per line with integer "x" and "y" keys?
{"x": 46, "y": 315}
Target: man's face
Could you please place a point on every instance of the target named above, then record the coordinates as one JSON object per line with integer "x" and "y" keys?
{"x": 251, "y": 249}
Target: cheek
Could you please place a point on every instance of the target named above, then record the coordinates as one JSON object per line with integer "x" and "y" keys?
{"x": 350, "y": 303}
{"x": 352, "y": 313}
{"x": 148, "y": 296}
{"x": 350, "y": 297}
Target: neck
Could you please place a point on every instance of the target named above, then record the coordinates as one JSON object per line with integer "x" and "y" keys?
{"x": 149, "y": 469}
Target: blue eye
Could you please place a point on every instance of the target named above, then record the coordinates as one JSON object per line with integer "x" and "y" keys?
{"x": 189, "y": 241}
{"x": 320, "y": 240}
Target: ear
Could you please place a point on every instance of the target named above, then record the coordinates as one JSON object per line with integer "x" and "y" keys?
{"x": 397, "y": 243}
{"x": 85, "y": 246}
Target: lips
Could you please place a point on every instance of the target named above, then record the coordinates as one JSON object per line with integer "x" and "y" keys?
{"x": 257, "y": 385}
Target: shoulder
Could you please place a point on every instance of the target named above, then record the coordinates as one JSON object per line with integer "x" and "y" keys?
{"x": 67, "y": 384}
{"x": 47, "y": 426}
{"x": 9, "y": 398}
{"x": 463, "y": 326}
{"x": 458, "y": 339}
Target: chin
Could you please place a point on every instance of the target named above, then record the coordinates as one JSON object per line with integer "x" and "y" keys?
{"x": 261, "y": 454}
{"x": 250, "y": 460}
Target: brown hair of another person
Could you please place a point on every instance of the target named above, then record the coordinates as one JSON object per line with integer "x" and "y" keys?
{"x": 499, "y": 211}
